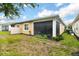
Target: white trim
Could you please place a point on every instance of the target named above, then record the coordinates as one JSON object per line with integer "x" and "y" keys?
{"x": 33, "y": 28}
{"x": 54, "y": 28}
{"x": 24, "y": 27}
{"x": 43, "y": 20}
{"x": 0, "y": 27}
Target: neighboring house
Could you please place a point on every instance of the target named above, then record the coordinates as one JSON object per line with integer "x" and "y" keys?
{"x": 5, "y": 26}
{"x": 51, "y": 25}
{"x": 75, "y": 26}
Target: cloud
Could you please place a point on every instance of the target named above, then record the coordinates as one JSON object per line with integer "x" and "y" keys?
{"x": 72, "y": 8}
{"x": 2, "y": 17}
{"x": 46, "y": 12}
{"x": 24, "y": 18}
{"x": 67, "y": 22}
{"x": 2, "y": 21}
{"x": 25, "y": 5}
{"x": 59, "y": 4}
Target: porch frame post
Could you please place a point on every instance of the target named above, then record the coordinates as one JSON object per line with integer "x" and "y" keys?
{"x": 54, "y": 28}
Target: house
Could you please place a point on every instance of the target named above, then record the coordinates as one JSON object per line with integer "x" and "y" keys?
{"x": 4, "y": 27}
{"x": 75, "y": 26}
{"x": 52, "y": 25}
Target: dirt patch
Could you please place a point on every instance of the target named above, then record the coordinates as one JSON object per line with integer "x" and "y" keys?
{"x": 3, "y": 36}
{"x": 26, "y": 47}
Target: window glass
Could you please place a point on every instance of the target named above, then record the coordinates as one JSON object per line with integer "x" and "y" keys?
{"x": 17, "y": 25}
{"x": 26, "y": 27}
{"x": 12, "y": 25}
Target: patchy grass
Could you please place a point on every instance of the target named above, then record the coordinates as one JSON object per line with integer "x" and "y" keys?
{"x": 39, "y": 38}
{"x": 57, "y": 51}
{"x": 23, "y": 45}
{"x": 10, "y": 39}
{"x": 6, "y": 37}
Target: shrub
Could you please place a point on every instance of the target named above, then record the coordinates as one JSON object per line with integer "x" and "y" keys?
{"x": 58, "y": 38}
{"x": 70, "y": 40}
{"x": 41, "y": 36}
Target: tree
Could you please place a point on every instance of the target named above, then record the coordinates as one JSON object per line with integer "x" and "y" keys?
{"x": 11, "y": 10}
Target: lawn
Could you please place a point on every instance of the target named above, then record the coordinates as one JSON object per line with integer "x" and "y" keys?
{"x": 70, "y": 40}
{"x": 4, "y": 32}
{"x": 23, "y": 45}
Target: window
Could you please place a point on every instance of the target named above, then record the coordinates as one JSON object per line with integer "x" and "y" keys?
{"x": 12, "y": 25}
{"x": 26, "y": 27}
{"x": 17, "y": 25}
{"x": 5, "y": 27}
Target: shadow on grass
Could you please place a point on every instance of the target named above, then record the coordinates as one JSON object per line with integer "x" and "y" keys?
{"x": 75, "y": 53}
{"x": 74, "y": 34}
{"x": 76, "y": 37}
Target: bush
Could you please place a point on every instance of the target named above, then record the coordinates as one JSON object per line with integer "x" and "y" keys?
{"x": 58, "y": 38}
{"x": 70, "y": 41}
{"x": 41, "y": 36}
{"x": 37, "y": 39}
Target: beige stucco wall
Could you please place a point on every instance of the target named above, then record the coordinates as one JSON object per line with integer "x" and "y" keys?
{"x": 31, "y": 27}
{"x": 30, "y": 31}
{"x": 15, "y": 29}
{"x": 19, "y": 26}
{"x": 62, "y": 27}
{"x": 22, "y": 30}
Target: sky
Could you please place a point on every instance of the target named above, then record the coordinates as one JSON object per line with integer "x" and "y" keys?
{"x": 66, "y": 11}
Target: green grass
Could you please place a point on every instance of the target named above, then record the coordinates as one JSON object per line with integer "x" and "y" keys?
{"x": 57, "y": 51}
{"x": 6, "y": 37}
{"x": 10, "y": 39}
{"x": 70, "y": 40}
{"x": 23, "y": 45}
{"x": 4, "y": 32}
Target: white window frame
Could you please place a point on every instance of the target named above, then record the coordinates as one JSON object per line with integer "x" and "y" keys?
{"x": 26, "y": 29}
